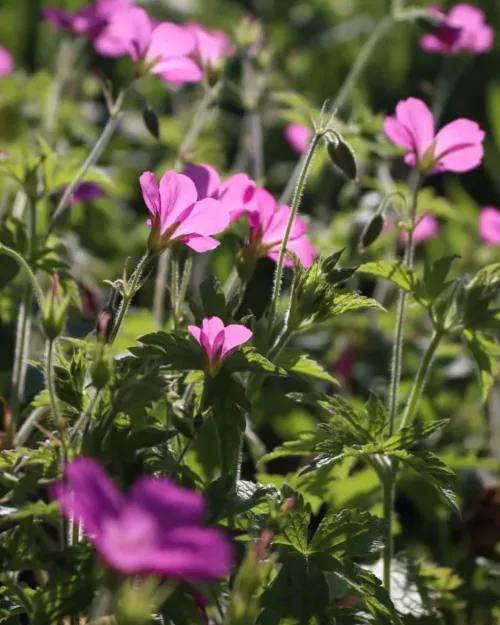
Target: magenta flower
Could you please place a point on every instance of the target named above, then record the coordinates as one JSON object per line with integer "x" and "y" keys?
{"x": 463, "y": 29}
{"x": 6, "y": 62}
{"x": 427, "y": 228}
{"x": 155, "y": 529}
{"x": 218, "y": 341}
{"x": 84, "y": 192}
{"x": 178, "y": 214}
{"x": 457, "y": 147}
{"x": 298, "y": 136}
{"x": 236, "y": 193}
{"x": 489, "y": 225}
{"x": 212, "y": 47}
{"x": 268, "y": 222}
{"x": 161, "y": 49}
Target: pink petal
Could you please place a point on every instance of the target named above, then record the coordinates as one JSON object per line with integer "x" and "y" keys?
{"x": 427, "y": 228}
{"x": 107, "y": 8}
{"x": 414, "y": 115}
{"x": 150, "y": 192}
{"x": 178, "y": 71}
{"x": 195, "y": 332}
{"x": 489, "y": 225}
{"x": 262, "y": 210}
{"x": 234, "y": 336}
{"x": 6, "y": 62}
{"x": 432, "y": 43}
{"x": 298, "y": 136}
{"x": 200, "y": 244}
{"x": 177, "y": 193}
{"x": 211, "y": 327}
{"x": 131, "y": 29}
{"x": 459, "y": 146}
{"x": 205, "y": 178}
{"x": 208, "y": 217}
{"x": 169, "y": 41}
{"x": 237, "y": 194}
{"x": 211, "y": 45}
{"x": 398, "y": 133}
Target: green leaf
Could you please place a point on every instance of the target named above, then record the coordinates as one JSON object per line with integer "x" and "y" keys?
{"x": 350, "y": 301}
{"x": 248, "y": 359}
{"x": 213, "y": 301}
{"x": 171, "y": 350}
{"x": 482, "y": 351}
{"x": 294, "y": 530}
{"x": 13, "y": 235}
{"x": 38, "y": 510}
{"x": 435, "y": 276}
{"x": 377, "y": 416}
{"x": 412, "y": 434}
{"x": 350, "y": 533}
{"x": 395, "y": 271}
{"x": 298, "y": 363}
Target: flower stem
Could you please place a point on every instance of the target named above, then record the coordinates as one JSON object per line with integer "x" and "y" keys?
{"x": 388, "y": 487}
{"x": 92, "y": 158}
{"x": 174, "y": 287}
{"x": 299, "y": 189}
{"x": 54, "y": 405}
{"x": 186, "y": 276}
{"x": 199, "y": 119}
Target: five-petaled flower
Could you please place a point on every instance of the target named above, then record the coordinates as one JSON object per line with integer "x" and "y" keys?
{"x": 457, "y": 147}
{"x": 268, "y": 223}
{"x": 6, "y": 62}
{"x": 218, "y": 341}
{"x": 163, "y": 50}
{"x": 212, "y": 47}
{"x": 463, "y": 29}
{"x": 177, "y": 213}
{"x": 236, "y": 193}
{"x": 427, "y": 227}
{"x": 298, "y": 136}
{"x": 489, "y": 225}
{"x": 157, "y": 528}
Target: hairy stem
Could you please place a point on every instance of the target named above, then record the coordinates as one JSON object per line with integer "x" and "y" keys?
{"x": 174, "y": 287}
{"x": 186, "y": 277}
{"x": 196, "y": 127}
{"x": 388, "y": 487}
{"x": 278, "y": 275}
{"x": 54, "y": 404}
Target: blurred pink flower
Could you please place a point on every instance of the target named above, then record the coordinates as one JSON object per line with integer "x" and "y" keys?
{"x": 489, "y": 225}
{"x": 462, "y": 29}
{"x": 457, "y": 147}
{"x": 236, "y": 193}
{"x": 268, "y": 222}
{"x": 86, "y": 192}
{"x": 157, "y": 528}
{"x": 212, "y": 47}
{"x": 427, "y": 228}
{"x": 6, "y": 62}
{"x": 178, "y": 214}
{"x": 344, "y": 365}
{"x": 298, "y": 136}
{"x": 218, "y": 341}
{"x": 161, "y": 49}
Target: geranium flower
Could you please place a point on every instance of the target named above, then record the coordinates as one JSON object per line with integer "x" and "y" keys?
{"x": 268, "y": 222}
{"x": 218, "y": 341}
{"x": 236, "y": 193}
{"x": 427, "y": 228}
{"x": 157, "y": 528}
{"x": 212, "y": 47}
{"x": 463, "y": 29}
{"x": 6, "y": 62}
{"x": 162, "y": 49}
{"x": 489, "y": 225}
{"x": 298, "y": 136}
{"x": 457, "y": 147}
{"x": 177, "y": 213}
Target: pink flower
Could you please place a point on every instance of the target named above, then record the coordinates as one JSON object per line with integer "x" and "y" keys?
{"x": 457, "y": 147}
{"x": 157, "y": 528}
{"x": 268, "y": 222}
{"x": 298, "y": 136}
{"x": 84, "y": 192}
{"x": 212, "y": 47}
{"x": 462, "y": 29}
{"x": 489, "y": 225}
{"x": 344, "y": 365}
{"x": 161, "y": 49}
{"x": 427, "y": 228}
{"x": 218, "y": 341}
{"x": 236, "y": 193}
{"x": 177, "y": 214}
{"x": 6, "y": 62}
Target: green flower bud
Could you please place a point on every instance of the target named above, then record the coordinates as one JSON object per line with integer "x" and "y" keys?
{"x": 54, "y": 310}
{"x": 151, "y": 121}
{"x": 372, "y": 231}
{"x": 342, "y": 156}
{"x": 101, "y": 369}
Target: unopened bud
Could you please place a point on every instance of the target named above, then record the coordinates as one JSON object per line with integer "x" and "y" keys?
{"x": 151, "y": 121}
{"x": 290, "y": 503}
{"x": 337, "y": 276}
{"x": 54, "y": 310}
{"x": 342, "y": 156}
{"x": 262, "y": 546}
{"x": 102, "y": 367}
{"x": 183, "y": 425}
{"x": 105, "y": 323}
{"x": 372, "y": 231}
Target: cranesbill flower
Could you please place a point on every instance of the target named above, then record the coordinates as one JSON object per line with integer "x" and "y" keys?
{"x": 212, "y": 47}
{"x": 236, "y": 193}
{"x": 457, "y": 147}
{"x": 489, "y": 225}
{"x": 267, "y": 222}
{"x": 298, "y": 136}
{"x": 218, "y": 341}
{"x": 157, "y": 528}
{"x": 162, "y": 49}
{"x": 463, "y": 29}
{"x": 427, "y": 228}
{"x": 178, "y": 214}
{"x": 6, "y": 62}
